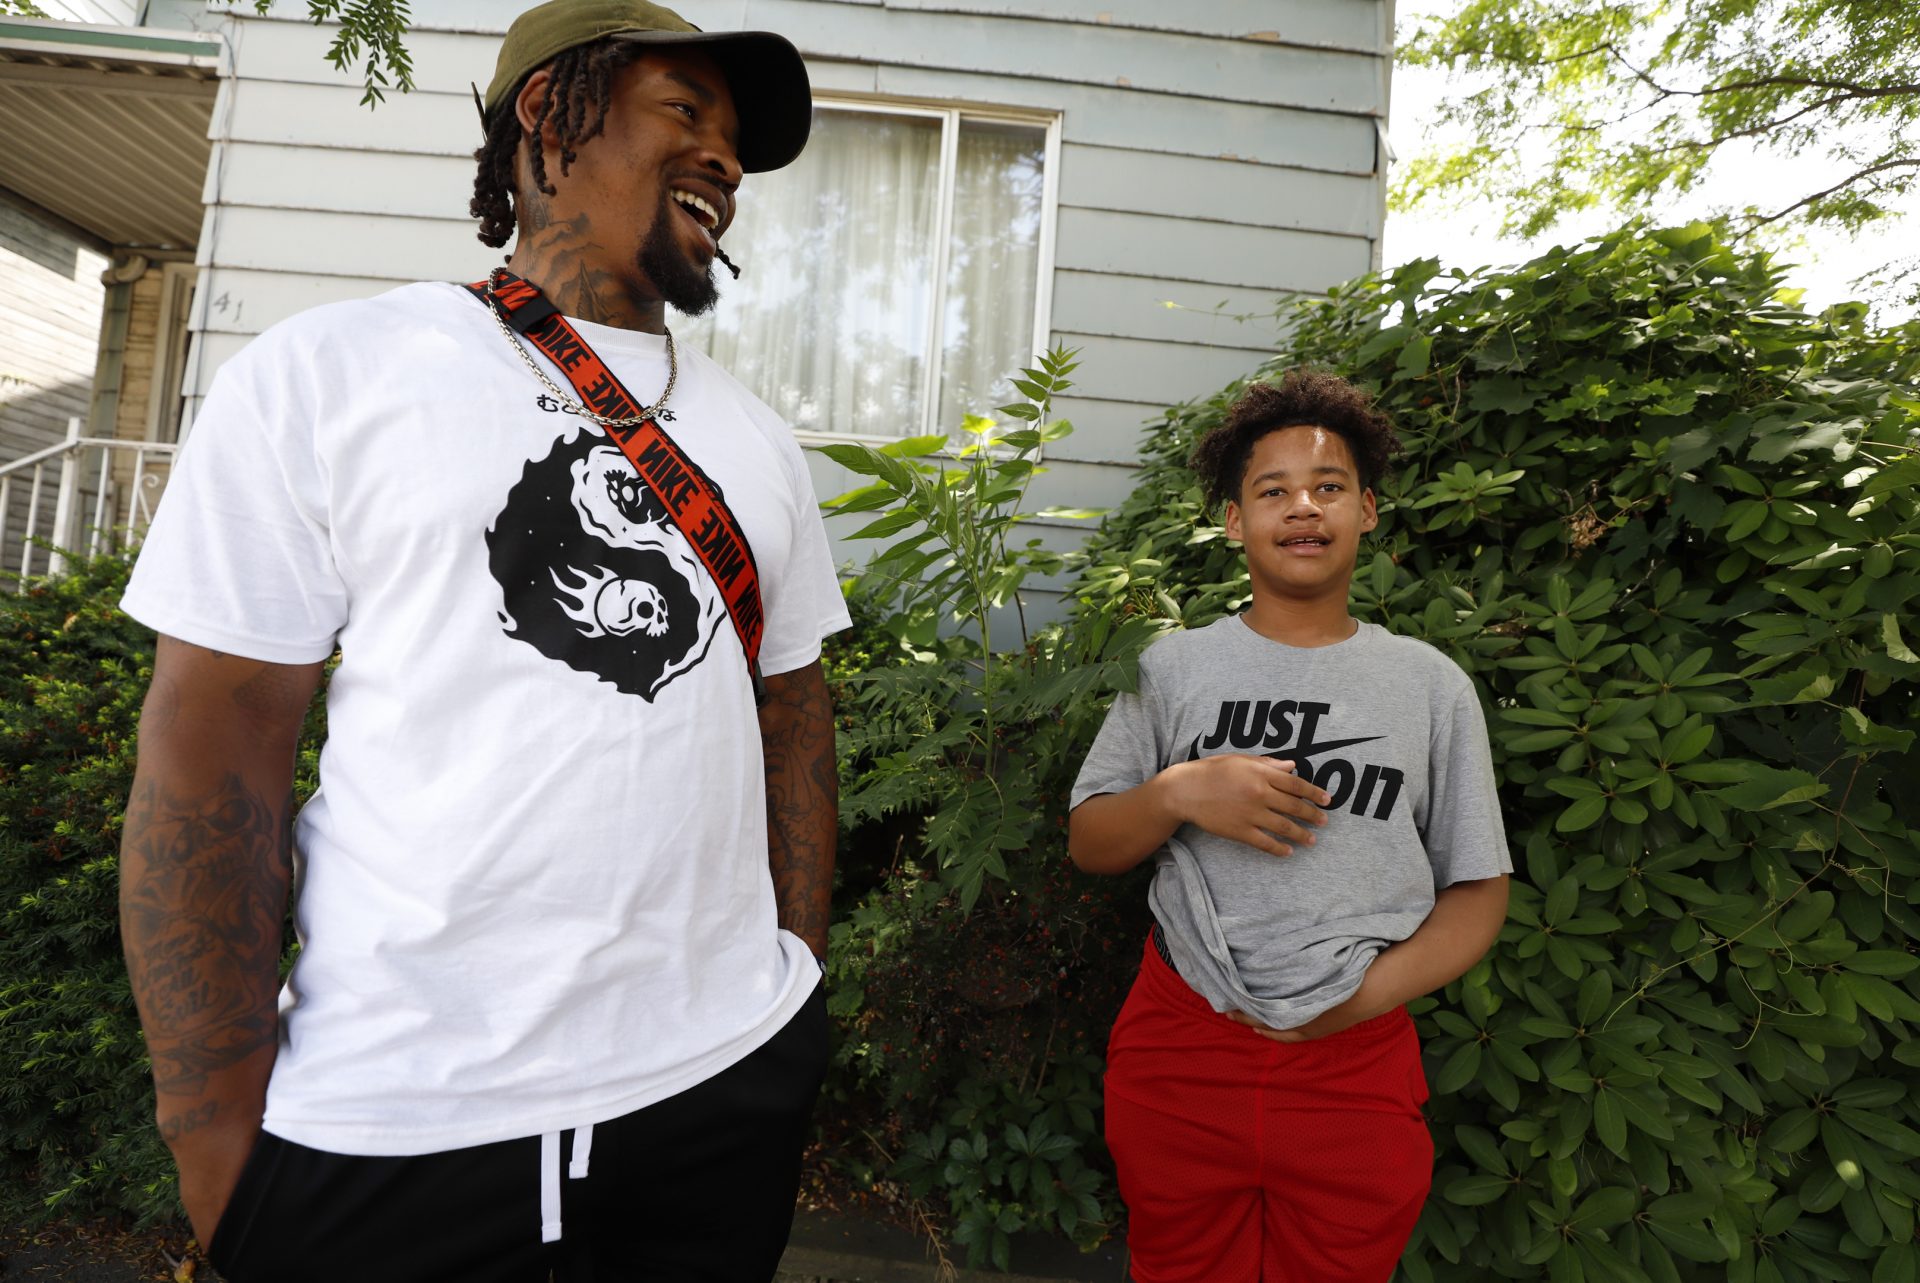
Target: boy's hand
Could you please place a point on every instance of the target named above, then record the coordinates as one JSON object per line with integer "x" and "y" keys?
{"x": 1254, "y": 800}
{"x": 1330, "y": 1021}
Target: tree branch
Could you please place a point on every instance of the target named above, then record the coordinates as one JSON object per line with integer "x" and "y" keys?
{"x": 1844, "y": 183}
{"x": 1845, "y": 87}
{"x": 1754, "y": 131}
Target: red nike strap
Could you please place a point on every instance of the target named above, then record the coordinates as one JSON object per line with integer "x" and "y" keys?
{"x": 692, "y": 501}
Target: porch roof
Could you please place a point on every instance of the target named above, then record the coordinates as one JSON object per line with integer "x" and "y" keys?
{"x": 107, "y": 127}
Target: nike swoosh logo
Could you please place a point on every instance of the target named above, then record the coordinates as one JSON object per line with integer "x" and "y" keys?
{"x": 1307, "y": 751}
{"x": 1304, "y": 752}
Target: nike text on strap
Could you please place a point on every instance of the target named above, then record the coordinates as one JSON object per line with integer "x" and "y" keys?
{"x": 692, "y": 501}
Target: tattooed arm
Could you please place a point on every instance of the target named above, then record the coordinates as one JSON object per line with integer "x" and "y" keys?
{"x": 803, "y": 800}
{"x": 204, "y": 864}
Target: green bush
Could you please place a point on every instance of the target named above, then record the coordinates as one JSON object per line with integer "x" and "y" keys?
{"x": 76, "y": 1112}
{"x": 974, "y": 975}
{"x": 1668, "y": 523}
{"x": 1666, "y": 520}
{"x": 76, "y": 1103}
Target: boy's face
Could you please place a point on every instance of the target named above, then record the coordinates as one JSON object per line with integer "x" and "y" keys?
{"x": 1301, "y": 513}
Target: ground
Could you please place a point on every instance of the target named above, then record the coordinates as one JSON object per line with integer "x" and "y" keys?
{"x": 96, "y": 1252}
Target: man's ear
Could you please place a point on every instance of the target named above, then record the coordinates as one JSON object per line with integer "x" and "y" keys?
{"x": 531, "y": 101}
{"x": 1233, "y": 521}
{"x": 1369, "y": 514}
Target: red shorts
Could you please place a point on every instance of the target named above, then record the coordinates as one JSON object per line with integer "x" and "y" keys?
{"x": 1242, "y": 1159}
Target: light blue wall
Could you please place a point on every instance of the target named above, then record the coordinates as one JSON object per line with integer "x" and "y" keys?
{"x": 1219, "y": 155}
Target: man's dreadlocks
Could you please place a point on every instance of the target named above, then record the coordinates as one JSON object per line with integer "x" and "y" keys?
{"x": 578, "y": 97}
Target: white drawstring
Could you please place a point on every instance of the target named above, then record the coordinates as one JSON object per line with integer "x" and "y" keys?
{"x": 550, "y": 1176}
{"x": 550, "y": 1187}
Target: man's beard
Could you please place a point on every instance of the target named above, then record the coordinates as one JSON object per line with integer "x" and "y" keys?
{"x": 690, "y": 289}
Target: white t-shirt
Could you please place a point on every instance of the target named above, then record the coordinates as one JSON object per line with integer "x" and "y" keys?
{"x": 533, "y": 887}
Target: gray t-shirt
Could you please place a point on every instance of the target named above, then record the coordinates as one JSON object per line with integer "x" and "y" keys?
{"x": 1388, "y": 725}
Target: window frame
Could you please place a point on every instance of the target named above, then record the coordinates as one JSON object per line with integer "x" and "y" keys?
{"x": 166, "y": 398}
{"x": 951, "y": 114}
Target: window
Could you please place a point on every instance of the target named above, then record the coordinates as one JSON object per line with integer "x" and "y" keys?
{"x": 892, "y": 276}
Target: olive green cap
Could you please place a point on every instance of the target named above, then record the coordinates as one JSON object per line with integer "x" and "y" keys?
{"x": 763, "y": 70}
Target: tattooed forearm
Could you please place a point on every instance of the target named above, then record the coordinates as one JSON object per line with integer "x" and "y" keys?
{"x": 803, "y": 797}
{"x": 203, "y": 889}
{"x": 189, "y": 1120}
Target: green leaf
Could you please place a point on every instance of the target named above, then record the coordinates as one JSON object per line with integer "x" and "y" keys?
{"x": 1610, "y": 1122}
{"x": 1604, "y": 1208}
{"x": 1482, "y": 1148}
{"x": 1765, "y": 787}
{"x": 1459, "y": 1069}
{"x": 1897, "y": 648}
{"x": 1561, "y": 900}
{"x": 892, "y": 523}
{"x": 1581, "y": 815}
{"x": 1476, "y": 1191}
{"x": 1686, "y": 741}
{"x": 1898, "y": 1263}
{"x": 1793, "y": 688}
{"x": 855, "y": 458}
{"x": 1792, "y": 1131}
{"x": 1882, "y": 962}
{"x": 1883, "y": 1131}
{"x": 1644, "y": 1115}
{"x": 1862, "y": 731}
{"x": 1415, "y": 356}
{"x": 1692, "y": 1242}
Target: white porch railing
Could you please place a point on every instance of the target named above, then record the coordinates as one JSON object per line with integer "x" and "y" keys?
{"x": 103, "y": 493}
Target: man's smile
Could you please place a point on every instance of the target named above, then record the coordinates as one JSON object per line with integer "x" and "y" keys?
{"x": 704, "y": 205}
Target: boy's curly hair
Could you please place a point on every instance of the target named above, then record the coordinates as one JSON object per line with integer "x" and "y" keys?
{"x": 1311, "y": 398}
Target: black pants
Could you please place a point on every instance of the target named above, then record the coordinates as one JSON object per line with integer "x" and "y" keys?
{"x": 697, "y": 1187}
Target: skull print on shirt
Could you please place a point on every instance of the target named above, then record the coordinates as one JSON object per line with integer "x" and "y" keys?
{"x": 593, "y": 573}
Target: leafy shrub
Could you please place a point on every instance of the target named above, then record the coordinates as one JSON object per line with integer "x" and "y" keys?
{"x": 1668, "y": 523}
{"x": 76, "y": 1113}
{"x": 76, "y": 1103}
{"x": 974, "y": 974}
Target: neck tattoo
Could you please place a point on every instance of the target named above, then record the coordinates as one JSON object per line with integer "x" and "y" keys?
{"x": 567, "y": 403}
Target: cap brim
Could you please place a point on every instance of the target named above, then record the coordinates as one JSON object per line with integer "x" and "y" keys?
{"x": 771, "y": 92}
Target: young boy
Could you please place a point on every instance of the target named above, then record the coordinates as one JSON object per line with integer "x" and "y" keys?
{"x": 1319, "y": 799}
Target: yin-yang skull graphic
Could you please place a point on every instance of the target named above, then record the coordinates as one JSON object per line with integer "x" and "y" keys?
{"x": 593, "y": 573}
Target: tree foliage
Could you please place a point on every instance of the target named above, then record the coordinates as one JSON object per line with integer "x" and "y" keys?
{"x": 1636, "y": 99}
{"x": 372, "y": 33}
{"x": 1670, "y": 527}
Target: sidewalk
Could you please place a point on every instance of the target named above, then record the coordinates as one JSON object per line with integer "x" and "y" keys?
{"x": 836, "y": 1249}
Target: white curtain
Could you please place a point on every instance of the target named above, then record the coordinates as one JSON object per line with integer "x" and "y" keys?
{"x": 829, "y": 321}
{"x": 993, "y": 267}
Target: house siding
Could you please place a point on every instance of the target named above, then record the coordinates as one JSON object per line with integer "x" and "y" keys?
{"x": 1218, "y": 156}
{"x": 118, "y": 13}
{"x": 49, "y": 343}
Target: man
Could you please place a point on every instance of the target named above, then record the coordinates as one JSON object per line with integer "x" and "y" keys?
{"x": 564, "y": 888}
